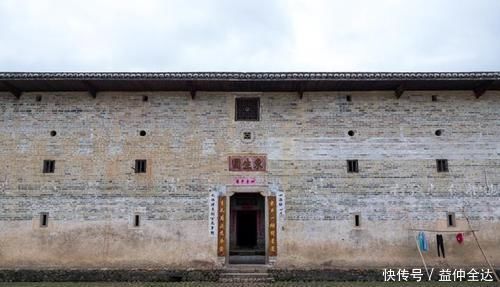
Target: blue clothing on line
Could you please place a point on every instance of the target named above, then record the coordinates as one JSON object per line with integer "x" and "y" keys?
{"x": 422, "y": 241}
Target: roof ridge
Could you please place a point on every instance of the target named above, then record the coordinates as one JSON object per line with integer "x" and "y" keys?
{"x": 250, "y": 75}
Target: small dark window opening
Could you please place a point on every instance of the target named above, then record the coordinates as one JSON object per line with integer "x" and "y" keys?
{"x": 451, "y": 219}
{"x": 49, "y": 166}
{"x": 140, "y": 166}
{"x": 247, "y": 135}
{"x": 38, "y": 98}
{"x": 434, "y": 98}
{"x": 247, "y": 109}
{"x": 44, "y": 219}
{"x": 357, "y": 222}
{"x": 352, "y": 165}
{"x": 438, "y": 133}
{"x": 348, "y": 98}
{"x": 442, "y": 165}
{"x": 145, "y": 98}
{"x": 53, "y": 133}
{"x": 350, "y": 133}
{"x": 142, "y": 133}
{"x": 137, "y": 220}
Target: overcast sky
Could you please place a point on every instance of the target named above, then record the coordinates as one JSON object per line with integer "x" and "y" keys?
{"x": 257, "y": 35}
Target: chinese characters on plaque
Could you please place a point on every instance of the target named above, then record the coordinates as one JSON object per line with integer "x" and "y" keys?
{"x": 221, "y": 234}
{"x": 281, "y": 205}
{"x": 244, "y": 181}
{"x": 212, "y": 214}
{"x": 247, "y": 163}
{"x": 273, "y": 247}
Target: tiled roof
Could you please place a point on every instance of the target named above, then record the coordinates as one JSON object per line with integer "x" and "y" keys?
{"x": 250, "y": 76}
{"x": 18, "y": 83}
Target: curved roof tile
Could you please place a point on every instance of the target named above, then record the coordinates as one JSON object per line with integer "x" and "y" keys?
{"x": 248, "y": 76}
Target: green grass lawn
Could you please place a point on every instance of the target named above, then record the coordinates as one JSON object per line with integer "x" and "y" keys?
{"x": 277, "y": 284}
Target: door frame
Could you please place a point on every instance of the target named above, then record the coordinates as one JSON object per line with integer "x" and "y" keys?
{"x": 252, "y": 189}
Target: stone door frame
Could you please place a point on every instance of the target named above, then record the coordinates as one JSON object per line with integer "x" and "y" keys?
{"x": 263, "y": 191}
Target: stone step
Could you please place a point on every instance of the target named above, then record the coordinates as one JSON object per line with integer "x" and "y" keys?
{"x": 239, "y": 279}
{"x": 247, "y": 260}
{"x": 246, "y": 270}
{"x": 245, "y": 276}
{"x": 247, "y": 280}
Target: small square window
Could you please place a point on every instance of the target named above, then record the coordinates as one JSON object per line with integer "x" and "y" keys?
{"x": 352, "y": 165}
{"x": 247, "y": 109}
{"x": 434, "y": 98}
{"x": 348, "y": 98}
{"x": 44, "y": 219}
{"x": 451, "y": 219}
{"x": 49, "y": 166}
{"x": 140, "y": 166}
{"x": 442, "y": 165}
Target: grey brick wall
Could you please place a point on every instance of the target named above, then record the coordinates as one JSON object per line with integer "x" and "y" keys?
{"x": 94, "y": 191}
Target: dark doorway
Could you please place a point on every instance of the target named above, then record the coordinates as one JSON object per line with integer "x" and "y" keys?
{"x": 246, "y": 228}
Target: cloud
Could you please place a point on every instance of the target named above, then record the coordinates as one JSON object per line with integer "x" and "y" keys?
{"x": 282, "y": 35}
{"x": 396, "y": 35}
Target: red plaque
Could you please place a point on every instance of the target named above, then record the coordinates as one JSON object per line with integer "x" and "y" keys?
{"x": 221, "y": 234}
{"x": 247, "y": 163}
{"x": 244, "y": 181}
{"x": 273, "y": 227}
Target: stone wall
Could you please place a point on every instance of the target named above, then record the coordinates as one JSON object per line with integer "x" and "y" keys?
{"x": 94, "y": 193}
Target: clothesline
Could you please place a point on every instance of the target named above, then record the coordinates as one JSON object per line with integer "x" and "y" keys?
{"x": 442, "y": 231}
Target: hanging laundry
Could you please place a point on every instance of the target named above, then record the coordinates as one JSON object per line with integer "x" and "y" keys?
{"x": 422, "y": 241}
{"x": 460, "y": 238}
{"x": 440, "y": 244}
